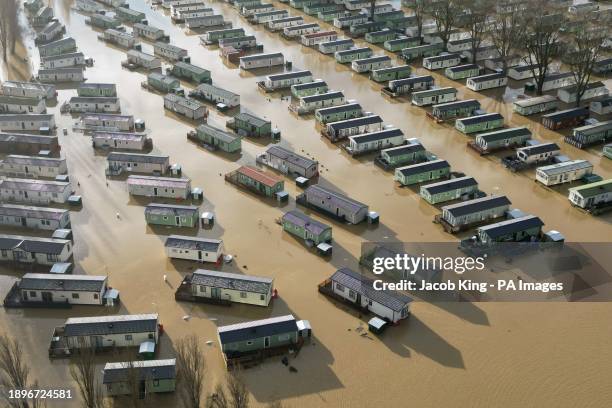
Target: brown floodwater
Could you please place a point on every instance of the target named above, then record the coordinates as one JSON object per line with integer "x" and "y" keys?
{"x": 464, "y": 354}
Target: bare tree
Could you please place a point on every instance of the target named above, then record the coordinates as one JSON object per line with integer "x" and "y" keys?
{"x": 505, "y": 31}
{"x": 14, "y": 374}
{"x": 134, "y": 378}
{"x": 83, "y": 372}
{"x": 419, "y": 8}
{"x": 9, "y": 26}
{"x": 237, "y": 390}
{"x": 190, "y": 371}
{"x": 475, "y": 22}
{"x": 444, "y": 13}
{"x": 217, "y": 399}
{"x": 540, "y": 38}
{"x": 586, "y": 46}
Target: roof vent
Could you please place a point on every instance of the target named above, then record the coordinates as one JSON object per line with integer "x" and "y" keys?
{"x": 110, "y": 325}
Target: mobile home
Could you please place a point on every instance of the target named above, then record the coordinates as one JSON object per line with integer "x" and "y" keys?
{"x": 434, "y": 96}
{"x": 97, "y": 89}
{"x": 286, "y": 80}
{"x": 189, "y": 108}
{"x": 441, "y": 61}
{"x": 22, "y": 104}
{"x": 488, "y": 81}
{"x": 592, "y": 90}
{"x": 502, "y": 139}
{"x": 374, "y": 141}
{"x": 353, "y": 54}
{"x": 391, "y": 73}
{"x": 120, "y": 38}
{"x": 603, "y": 66}
{"x": 103, "y": 21}
{"x": 15, "y": 165}
{"x": 479, "y": 123}
{"x": 57, "y": 75}
{"x": 372, "y": 63}
{"x": 347, "y": 21}
{"x": 25, "y": 216}
{"x": 282, "y": 23}
{"x": 34, "y": 250}
{"x": 398, "y": 44}
{"x": 563, "y": 172}
{"x": 357, "y": 30}
{"x": 538, "y": 104}
{"x": 406, "y": 85}
{"x": 421, "y": 172}
{"x": 589, "y": 135}
{"x": 601, "y": 106}
{"x": 19, "y": 143}
{"x": 81, "y": 104}
{"x": 337, "y": 113}
{"x": 308, "y": 104}
{"x": 148, "y": 32}
{"x": 309, "y": 88}
{"x": 172, "y": 215}
{"x": 28, "y": 89}
{"x": 50, "y": 32}
{"x": 190, "y": 72}
{"x": 314, "y": 39}
{"x": 289, "y": 162}
{"x": 252, "y": 9}
{"x": 214, "y": 36}
{"x": 335, "y": 204}
{"x": 540, "y": 152}
{"x": 144, "y": 60}
{"x": 421, "y": 51}
{"x": 330, "y": 16}
{"x": 218, "y": 139}
{"x": 153, "y": 376}
{"x": 557, "y": 80}
{"x": 301, "y": 29}
{"x": 459, "y": 44}
{"x": 97, "y": 121}
{"x": 310, "y": 230}
{"x": 230, "y": 287}
{"x": 162, "y": 83}
{"x": 51, "y": 288}
{"x": 457, "y": 109}
{"x": 63, "y": 46}
{"x": 379, "y": 37}
{"x": 459, "y": 72}
{"x": 119, "y": 140}
{"x": 410, "y": 153}
{"x": 521, "y": 72}
{"x": 129, "y": 15}
{"x": 262, "y": 60}
{"x": 256, "y": 180}
{"x": 591, "y": 195}
{"x": 30, "y": 122}
{"x": 456, "y": 217}
{"x": 249, "y": 125}
{"x": 169, "y": 51}
{"x": 167, "y": 187}
{"x": 215, "y": 94}
{"x": 336, "y": 131}
{"x": 137, "y": 163}
{"x": 449, "y": 190}
{"x": 34, "y": 191}
{"x": 266, "y": 16}
{"x": 73, "y": 59}
{"x": 565, "y": 118}
{"x": 524, "y": 228}
{"x": 214, "y": 20}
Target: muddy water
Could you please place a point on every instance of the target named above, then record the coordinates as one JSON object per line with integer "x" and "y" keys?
{"x": 482, "y": 354}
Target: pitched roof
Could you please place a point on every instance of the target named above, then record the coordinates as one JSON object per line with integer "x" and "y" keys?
{"x": 423, "y": 167}
{"x": 260, "y": 176}
{"x": 297, "y": 217}
{"x": 34, "y": 185}
{"x": 478, "y": 204}
{"x": 291, "y": 157}
{"x": 338, "y": 199}
{"x": 32, "y": 211}
{"x": 449, "y": 185}
{"x": 67, "y": 282}
{"x": 235, "y": 281}
{"x": 117, "y": 324}
{"x": 257, "y": 329}
{"x": 148, "y": 370}
{"x": 171, "y": 209}
{"x": 185, "y": 242}
{"x": 137, "y": 157}
{"x": 502, "y": 228}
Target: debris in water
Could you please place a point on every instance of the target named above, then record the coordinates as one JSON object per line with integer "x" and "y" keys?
{"x": 209, "y": 342}
{"x": 285, "y": 361}
{"x": 292, "y": 369}
{"x": 186, "y": 317}
{"x": 165, "y": 278}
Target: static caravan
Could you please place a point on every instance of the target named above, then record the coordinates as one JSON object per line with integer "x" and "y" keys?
{"x": 172, "y": 215}
{"x": 301, "y": 29}
{"x": 357, "y": 30}
{"x": 169, "y": 51}
{"x": 389, "y": 15}
{"x": 353, "y": 54}
{"x": 252, "y": 9}
{"x": 104, "y": 332}
{"x": 282, "y": 23}
{"x": 481, "y": 53}
{"x": 557, "y": 80}
{"x": 420, "y": 51}
{"x": 521, "y": 72}
{"x": 378, "y": 9}
{"x": 309, "y": 88}
{"x": 148, "y": 32}
{"x": 167, "y": 187}
{"x": 398, "y": 44}
{"x": 479, "y": 123}
{"x": 34, "y": 250}
{"x": 266, "y": 16}
{"x": 391, "y": 73}
{"x": 336, "y": 113}
{"x": 406, "y": 85}
{"x": 540, "y": 152}
{"x": 63, "y": 46}
{"x": 459, "y": 44}
{"x": 262, "y": 60}
{"x": 50, "y": 32}
{"x": 331, "y": 47}
{"x": 162, "y": 83}
{"x": 449, "y": 190}
{"x": 249, "y": 125}
{"x": 286, "y": 80}
{"x": 538, "y": 104}
{"x": 520, "y": 229}
{"x": 356, "y": 289}
{"x": 565, "y": 118}
{"x": 73, "y": 59}
{"x": 214, "y": 20}
{"x": 441, "y": 61}
{"x": 592, "y": 90}
{"x": 488, "y": 81}
{"x": 97, "y": 89}
{"x": 129, "y": 15}
{"x": 51, "y": 288}
{"x": 372, "y": 63}
{"x": 144, "y": 60}
{"x": 256, "y": 180}
{"x": 119, "y": 140}
{"x": 480, "y": 210}
{"x": 114, "y": 3}
{"x": 177, "y": 12}
{"x": 201, "y": 11}
{"x": 318, "y": 7}
{"x": 190, "y": 72}
{"x": 119, "y": 162}
{"x": 218, "y": 139}
{"x": 189, "y": 108}
{"x": 205, "y": 285}
{"x": 103, "y": 21}
{"x": 308, "y": 229}
{"x": 457, "y": 109}
{"x": 216, "y": 95}
{"x": 314, "y": 39}
{"x": 43, "y": 218}
{"x": 601, "y": 106}
{"x": 401, "y": 24}
{"x": 289, "y": 162}
{"x": 421, "y": 172}
{"x": 311, "y": 103}
{"x": 350, "y": 20}
{"x": 462, "y": 71}
{"x": 57, "y": 75}
{"x": 410, "y": 153}
{"x": 243, "y": 42}
{"x": 582, "y": 8}
{"x": 502, "y": 139}
{"x": 341, "y": 130}
{"x": 28, "y": 89}
{"x": 22, "y": 104}
{"x": 375, "y": 141}
{"x": 82, "y": 104}
{"x": 120, "y": 38}
{"x": 330, "y": 16}
{"x": 213, "y": 36}
{"x": 379, "y": 37}
{"x": 32, "y": 166}
{"x": 356, "y": 5}
{"x": 603, "y": 66}
{"x": 589, "y": 135}
{"x": 30, "y": 122}
{"x": 19, "y": 143}
{"x": 35, "y": 191}
{"x": 334, "y": 204}
{"x": 591, "y": 195}
{"x": 241, "y": 3}
{"x": 153, "y": 376}
{"x": 92, "y": 121}
{"x": 564, "y": 172}
{"x": 434, "y": 96}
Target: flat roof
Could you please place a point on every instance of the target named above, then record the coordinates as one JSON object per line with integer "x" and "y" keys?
{"x": 137, "y": 157}
{"x": 34, "y": 185}
{"x": 158, "y": 181}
